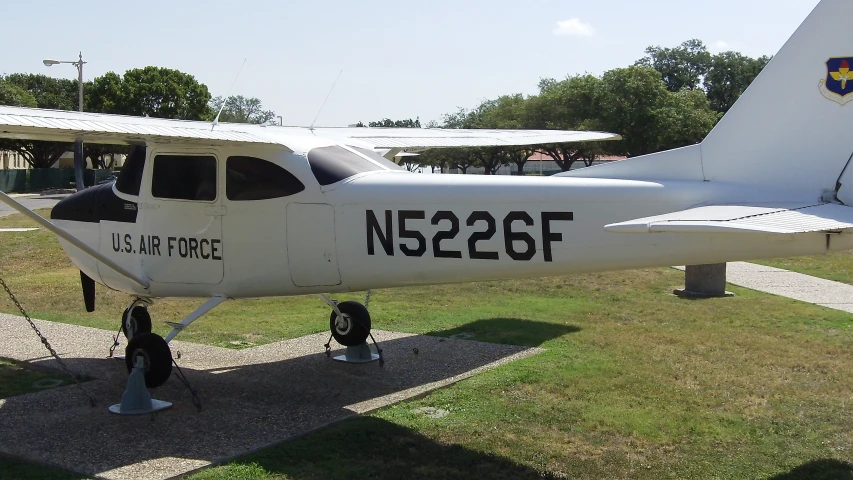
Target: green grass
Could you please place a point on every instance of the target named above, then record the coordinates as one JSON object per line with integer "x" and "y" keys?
{"x": 635, "y": 383}
{"x": 18, "y": 378}
{"x": 837, "y": 266}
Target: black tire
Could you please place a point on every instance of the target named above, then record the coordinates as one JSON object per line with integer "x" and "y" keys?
{"x": 158, "y": 357}
{"x": 354, "y": 328}
{"x": 140, "y": 322}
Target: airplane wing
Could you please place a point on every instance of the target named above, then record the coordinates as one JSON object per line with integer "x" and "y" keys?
{"x": 781, "y": 219}
{"x": 64, "y": 126}
{"x": 417, "y": 139}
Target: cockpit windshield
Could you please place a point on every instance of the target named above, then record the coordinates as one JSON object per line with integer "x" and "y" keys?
{"x": 335, "y": 163}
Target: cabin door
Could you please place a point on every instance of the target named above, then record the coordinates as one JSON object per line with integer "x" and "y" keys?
{"x": 181, "y": 238}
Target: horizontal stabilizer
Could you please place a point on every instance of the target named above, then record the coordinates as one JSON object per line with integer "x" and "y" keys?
{"x": 784, "y": 219}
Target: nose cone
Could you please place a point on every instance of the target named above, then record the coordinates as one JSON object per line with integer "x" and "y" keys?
{"x": 78, "y": 207}
{"x": 93, "y": 205}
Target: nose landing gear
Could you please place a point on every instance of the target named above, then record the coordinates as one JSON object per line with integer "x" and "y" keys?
{"x": 154, "y": 353}
{"x": 148, "y": 357}
{"x": 135, "y": 320}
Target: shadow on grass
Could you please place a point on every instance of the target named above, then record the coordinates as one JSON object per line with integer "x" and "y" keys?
{"x": 18, "y": 378}
{"x": 510, "y": 331}
{"x": 824, "y": 469}
{"x": 369, "y": 447}
{"x": 23, "y": 470}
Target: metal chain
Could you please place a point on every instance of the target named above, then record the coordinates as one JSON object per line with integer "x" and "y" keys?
{"x": 367, "y": 300}
{"x": 47, "y": 344}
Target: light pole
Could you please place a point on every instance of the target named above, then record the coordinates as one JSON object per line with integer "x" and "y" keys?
{"x": 79, "y": 163}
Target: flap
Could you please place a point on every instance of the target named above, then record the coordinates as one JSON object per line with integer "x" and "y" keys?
{"x": 783, "y": 219}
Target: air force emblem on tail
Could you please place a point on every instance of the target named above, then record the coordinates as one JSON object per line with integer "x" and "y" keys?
{"x": 838, "y": 85}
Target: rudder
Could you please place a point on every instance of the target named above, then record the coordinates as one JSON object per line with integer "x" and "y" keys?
{"x": 793, "y": 127}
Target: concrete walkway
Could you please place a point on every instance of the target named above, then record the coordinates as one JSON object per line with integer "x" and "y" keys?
{"x": 33, "y": 201}
{"x": 798, "y": 286}
{"x": 252, "y": 398}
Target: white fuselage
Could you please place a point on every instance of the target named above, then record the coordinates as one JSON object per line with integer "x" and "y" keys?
{"x": 386, "y": 229}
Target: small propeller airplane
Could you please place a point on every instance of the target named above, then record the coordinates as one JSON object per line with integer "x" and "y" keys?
{"x": 240, "y": 211}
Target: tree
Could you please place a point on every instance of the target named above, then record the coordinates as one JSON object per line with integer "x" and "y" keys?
{"x": 28, "y": 90}
{"x": 462, "y": 158}
{"x": 570, "y": 104}
{"x": 13, "y": 95}
{"x": 37, "y": 154}
{"x": 387, "y": 122}
{"x": 105, "y": 95}
{"x": 686, "y": 119}
{"x": 729, "y": 76}
{"x": 629, "y": 102}
{"x": 566, "y": 154}
{"x": 151, "y": 92}
{"x": 48, "y": 92}
{"x": 98, "y": 153}
{"x": 437, "y": 157}
{"x": 491, "y": 159}
{"x": 504, "y": 112}
{"x": 240, "y": 109}
{"x": 682, "y": 67}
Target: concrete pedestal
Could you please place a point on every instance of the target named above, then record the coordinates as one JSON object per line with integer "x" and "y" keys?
{"x": 704, "y": 281}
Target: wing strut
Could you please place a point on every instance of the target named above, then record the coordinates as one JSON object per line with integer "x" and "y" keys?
{"x": 71, "y": 239}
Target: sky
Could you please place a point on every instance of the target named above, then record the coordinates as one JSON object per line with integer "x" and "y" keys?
{"x": 400, "y": 59}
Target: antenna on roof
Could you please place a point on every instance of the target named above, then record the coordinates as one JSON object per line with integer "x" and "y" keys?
{"x": 327, "y": 99}
{"x": 225, "y": 100}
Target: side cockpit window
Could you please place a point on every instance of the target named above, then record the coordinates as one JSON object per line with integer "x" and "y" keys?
{"x": 184, "y": 177}
{"x": 250, "y": 178}
{"x": 130, "y": 178}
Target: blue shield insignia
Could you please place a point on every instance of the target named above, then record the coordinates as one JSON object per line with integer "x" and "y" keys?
{"x": 838, "y": 85}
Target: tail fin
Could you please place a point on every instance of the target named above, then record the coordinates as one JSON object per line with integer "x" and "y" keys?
{"x": 792, "y": 128}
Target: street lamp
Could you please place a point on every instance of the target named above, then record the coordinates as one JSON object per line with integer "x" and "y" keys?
{"x": 79, "y": 64}
{"x": 79, "y": 163}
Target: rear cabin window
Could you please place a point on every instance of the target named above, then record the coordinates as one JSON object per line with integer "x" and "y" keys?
{"x": 184, "y": 177}
{"x": 250, "y": 178}
{"x": 335, "y": 163}
{"x": 130, "y": 177}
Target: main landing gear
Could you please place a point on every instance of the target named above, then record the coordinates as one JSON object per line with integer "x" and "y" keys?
{"x": 349, "y": 323}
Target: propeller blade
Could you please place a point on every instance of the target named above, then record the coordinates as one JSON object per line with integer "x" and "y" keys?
{"x": 88, "y": 285}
